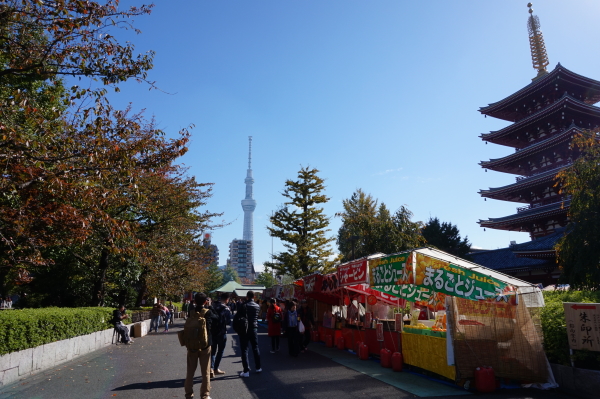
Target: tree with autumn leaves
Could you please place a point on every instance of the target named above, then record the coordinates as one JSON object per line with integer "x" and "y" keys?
{"x": 578, "y": 250}
{"x": 91, "y": 196}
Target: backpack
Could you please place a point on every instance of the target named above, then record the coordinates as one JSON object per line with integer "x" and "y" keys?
{"x": 195, "y": 335}
{"x": 240, "y": 321}
{"x": 219, "y": 327}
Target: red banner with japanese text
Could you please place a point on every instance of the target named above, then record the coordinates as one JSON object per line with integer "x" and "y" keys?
{"x": 353, "y": 273}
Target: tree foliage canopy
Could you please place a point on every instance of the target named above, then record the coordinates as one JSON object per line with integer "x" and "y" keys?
{"x": 578, "y": 251}
{"x": 89, "y": 194}
{"x": 368, "y": 228}
{"x": 446, "y": 237}
{"x": 302, "y": 226}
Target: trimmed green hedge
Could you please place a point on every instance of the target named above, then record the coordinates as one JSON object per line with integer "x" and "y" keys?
{"x": 28, "y": 328}
{"x": 556, "y": 342}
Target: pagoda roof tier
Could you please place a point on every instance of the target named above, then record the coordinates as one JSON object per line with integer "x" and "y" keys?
{"x": 508, "y": 192}
{"x": 510, "y": 163}
{"x": 518, "y": 220}
{"x": 508, "y": 136}
{"x": 559, "y": 80}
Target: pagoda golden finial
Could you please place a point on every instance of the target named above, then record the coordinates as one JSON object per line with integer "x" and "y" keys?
{"x": 536, "y": 43}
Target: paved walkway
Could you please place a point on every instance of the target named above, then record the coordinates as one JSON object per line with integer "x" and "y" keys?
{"x": 154, "y": 367}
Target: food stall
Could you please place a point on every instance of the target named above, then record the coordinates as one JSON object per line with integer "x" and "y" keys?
{"x": 484, "y": 317}
{"x": 369, "y": 314}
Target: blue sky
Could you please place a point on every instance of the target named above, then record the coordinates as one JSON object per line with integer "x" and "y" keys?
{"x": 378, "y": 95}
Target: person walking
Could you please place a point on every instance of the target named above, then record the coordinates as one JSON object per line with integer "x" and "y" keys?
{"x": 155, "y": 314}
{"x": 274, "y": 318}
{"x": 219, "y": 333}
{"x": 167, "y": 315}
{"x": 249, "y": 310}
{"x": 264, "y": 306}
{"x": 306, "y": 316}
{"x": 184, "y": 309}
{"x": 292, "y": 330}
{"x": 202, "y": 355}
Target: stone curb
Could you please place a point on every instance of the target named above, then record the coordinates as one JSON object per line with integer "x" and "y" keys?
{"x": 21, "y": 364}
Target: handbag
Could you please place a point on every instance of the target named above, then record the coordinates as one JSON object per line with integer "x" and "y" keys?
{"x": 301, "y": 328}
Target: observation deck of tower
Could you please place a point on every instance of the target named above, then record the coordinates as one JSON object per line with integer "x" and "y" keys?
{"x": 248, "y": 203}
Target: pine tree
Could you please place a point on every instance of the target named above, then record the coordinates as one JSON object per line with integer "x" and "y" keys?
{"x": 214, "y": 278}
{"x": 302, "y": 226}
{"x": 230, "y": 274}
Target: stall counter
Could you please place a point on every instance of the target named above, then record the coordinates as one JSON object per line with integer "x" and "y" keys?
{"x": 427, "y": 353}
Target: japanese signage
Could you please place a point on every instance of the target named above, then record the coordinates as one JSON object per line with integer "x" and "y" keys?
{"x": 353, "y": 273}
{"x": 490, "y": 308}
{"x": 393, "y": 269}
{"x": 288, "y": 291}
{"x": 454, "y": 280}
{"x": 583, "y": 325}
{"x": 378, "y": 294}
{"x": 412, "y": 293}
{"x": 329, "y": 283}
{"x": 312, "y": 283}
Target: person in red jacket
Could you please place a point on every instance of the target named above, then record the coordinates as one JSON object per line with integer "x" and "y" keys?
{"x": 274, "y": 318}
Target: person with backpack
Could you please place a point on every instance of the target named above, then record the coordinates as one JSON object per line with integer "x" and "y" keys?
{"x": 219, "y": 333}
{"x": 245, "y": 323}
{"x": 274, "y": 318}
{"x": 196, "y": 337}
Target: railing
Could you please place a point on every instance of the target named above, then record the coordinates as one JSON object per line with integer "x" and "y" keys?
{"x": 542, "y": 203}
{"x": 556, "y": 166}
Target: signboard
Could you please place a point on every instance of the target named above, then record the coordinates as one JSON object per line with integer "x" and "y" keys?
{"x": 353, "y": 273}
{"x": 277, "y": 290}
{"x": 454, "y": 280}
{"x": 379, "y": 331}
{"x": 393, "y": 269}
{"x": 583, "y": 325}
{"x": 489, "y": 308}
{"x": 398, "y": 322}
{"x": 330, "y": 283}
{"x": 378, "y": 294}
{"x": 288, "y": 291}
{"x": 312, "y": 283}
{"x": 419, "y": 295}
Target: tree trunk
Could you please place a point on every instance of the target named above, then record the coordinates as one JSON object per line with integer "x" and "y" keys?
{"x": 142, "y": 291}
{"x": 98, "y": 291}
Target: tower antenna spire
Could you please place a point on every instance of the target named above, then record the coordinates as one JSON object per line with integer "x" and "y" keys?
{"x": 539, "y": 57}
{"x": 249, "y": 152}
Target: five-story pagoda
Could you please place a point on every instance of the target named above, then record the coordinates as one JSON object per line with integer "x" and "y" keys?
{"x": 546, "y": 114}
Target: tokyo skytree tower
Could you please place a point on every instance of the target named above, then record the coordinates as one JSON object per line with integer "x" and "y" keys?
{"x": 248, "y": 203}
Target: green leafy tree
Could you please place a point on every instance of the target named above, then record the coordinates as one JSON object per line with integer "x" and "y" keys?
{"x": 446, "y": 237}
{"x": 578, "y": 251}
{"x": 230, "y": 274}
{"x": 266, "y": 278}
{"x": 214, "y": 278}
{"x": 302, "y": 226}
{"x": 368, "y": 228}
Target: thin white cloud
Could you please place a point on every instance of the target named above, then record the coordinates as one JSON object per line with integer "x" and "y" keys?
{"x": 385, "y": 172}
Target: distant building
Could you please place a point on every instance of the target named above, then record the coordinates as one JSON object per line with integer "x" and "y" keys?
{"x": 240, "y": 258}
{"x": 214, "y": 250}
